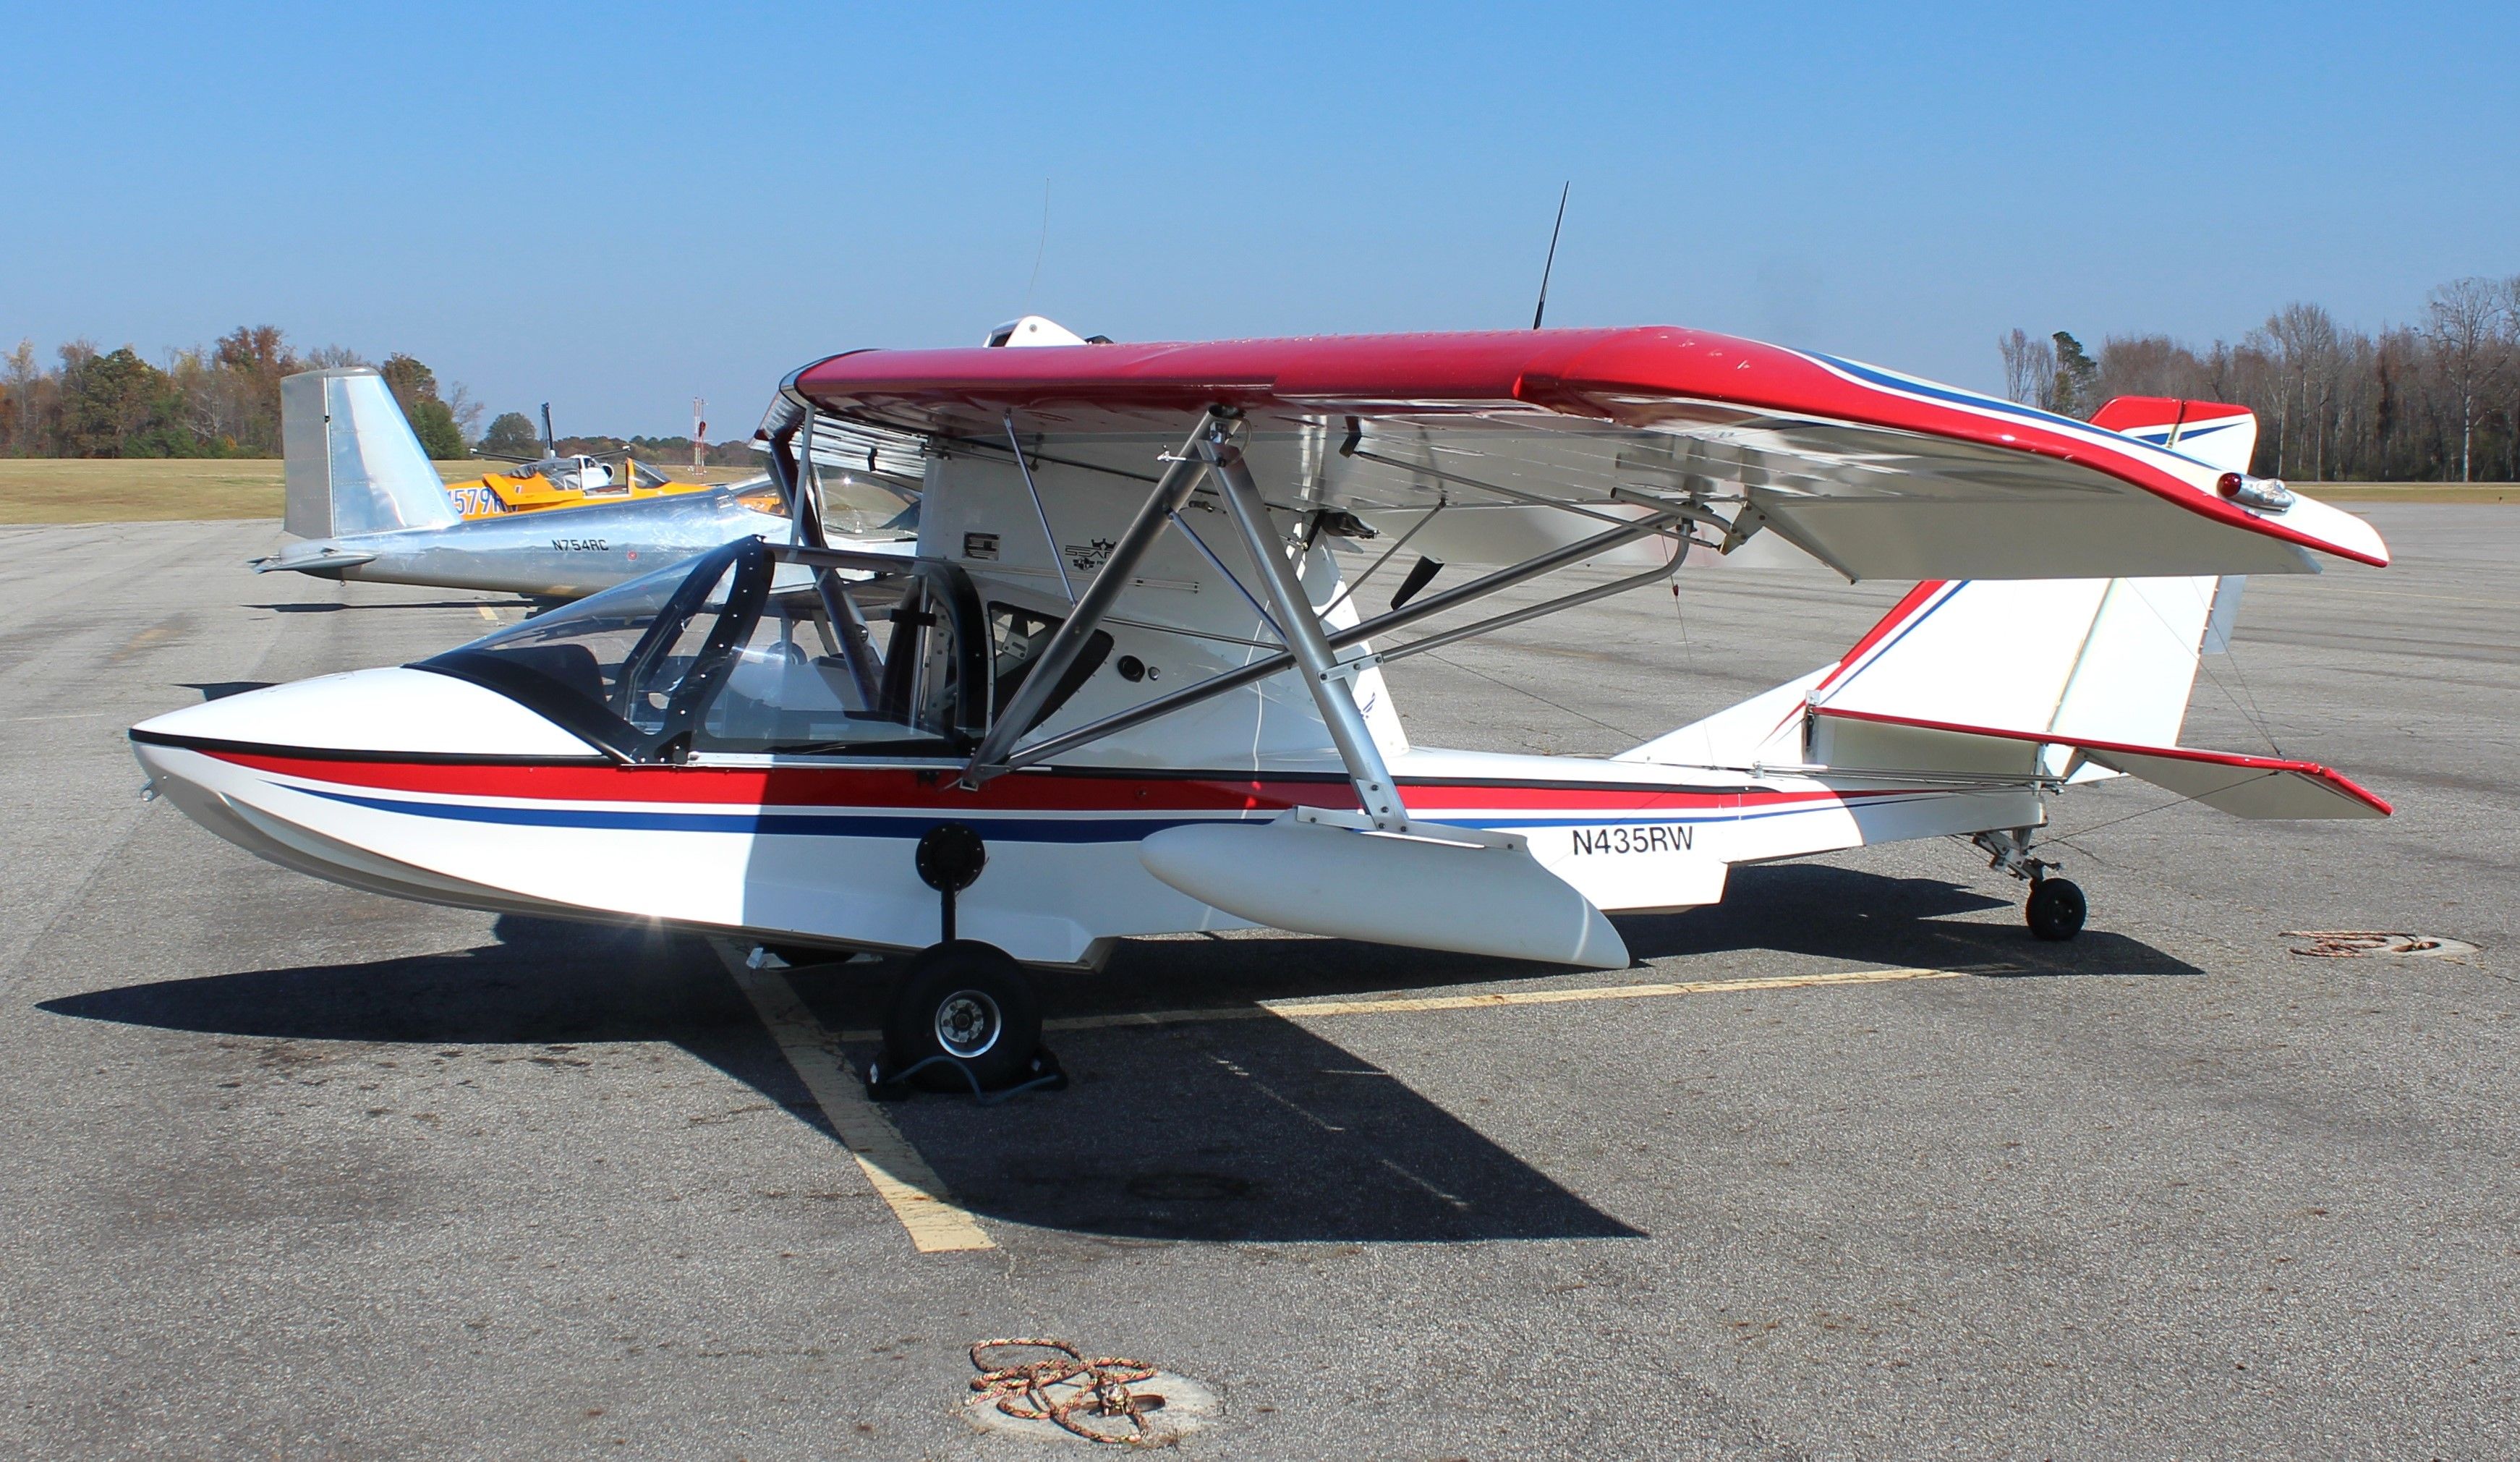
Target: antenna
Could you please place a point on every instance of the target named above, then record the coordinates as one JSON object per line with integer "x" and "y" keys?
{"x": 1542, "y": 308}
{"x": 1039, "y": 250}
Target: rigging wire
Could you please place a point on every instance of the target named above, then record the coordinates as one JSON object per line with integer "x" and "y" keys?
{"x": 1535, "y": 695}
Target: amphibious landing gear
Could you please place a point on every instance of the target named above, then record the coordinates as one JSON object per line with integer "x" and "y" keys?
{"x": 2056, "y": 908}
{"x": 966, "y": 1018}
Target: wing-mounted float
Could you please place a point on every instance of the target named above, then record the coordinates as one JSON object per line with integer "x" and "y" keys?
{"x": 1133, "y": 680}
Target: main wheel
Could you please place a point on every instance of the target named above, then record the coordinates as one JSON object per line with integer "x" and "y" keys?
{"x": 2056, "y": 909}
{"x": 970, "y": 1004}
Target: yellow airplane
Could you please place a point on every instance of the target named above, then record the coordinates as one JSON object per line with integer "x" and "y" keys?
{"x": 564, "y": 483}
{"x": 552, "y": 480}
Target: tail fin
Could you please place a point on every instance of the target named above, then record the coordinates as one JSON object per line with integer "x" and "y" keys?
{"x": 2215, "y": 433}
{"x": 354, "y": 465}
{"x": 2103, "y": 659}
{"x": 2020, "y": 679}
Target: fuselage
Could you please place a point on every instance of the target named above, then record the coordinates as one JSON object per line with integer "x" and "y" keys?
{"x": 563, "y": 553}
{"x": 510, "y": 812}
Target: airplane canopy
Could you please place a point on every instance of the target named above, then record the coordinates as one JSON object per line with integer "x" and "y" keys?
{"x": 1876, "y": 474}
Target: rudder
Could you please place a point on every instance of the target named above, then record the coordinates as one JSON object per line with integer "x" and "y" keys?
{"x": 353, "y": 463}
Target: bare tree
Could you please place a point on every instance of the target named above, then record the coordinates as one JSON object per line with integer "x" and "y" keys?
{"x": 2511, "y": 353}
{"x": 2150, "y": 365}
{"x": 2029, "y": 365}
{"x": 24, "y": 379}
{"x": 2306, "y": 347}
{"x": 2464, "y": 320}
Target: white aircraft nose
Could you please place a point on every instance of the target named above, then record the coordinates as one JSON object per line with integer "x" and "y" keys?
{"x": 383, "y": 712}
{"x": 227, "y": 763}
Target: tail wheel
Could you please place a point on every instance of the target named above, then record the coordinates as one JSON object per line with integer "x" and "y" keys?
{"x": 2056, "y": 909}
{"x": 968, "y": 1011}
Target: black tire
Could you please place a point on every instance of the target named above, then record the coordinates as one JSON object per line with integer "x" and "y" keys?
{"x": 2056, "y": 909}
{"x": 969, "y": 1003}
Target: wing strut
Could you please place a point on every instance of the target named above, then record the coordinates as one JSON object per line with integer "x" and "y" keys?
{"x": 1172, "y": 489}
{"x": 1419, "y": 609}
{"x": 1328, "y": 678}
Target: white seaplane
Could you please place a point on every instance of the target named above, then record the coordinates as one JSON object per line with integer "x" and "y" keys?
{"x": 1125, "y": 687}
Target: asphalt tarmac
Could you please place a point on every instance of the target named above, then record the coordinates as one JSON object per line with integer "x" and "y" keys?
{"x": 296, "y": 1171}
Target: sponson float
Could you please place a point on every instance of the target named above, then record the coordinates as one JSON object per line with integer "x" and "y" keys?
{"x": 1124, "y": 687}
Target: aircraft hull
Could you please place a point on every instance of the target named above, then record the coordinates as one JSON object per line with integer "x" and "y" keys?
{"x": 822, "y": 851}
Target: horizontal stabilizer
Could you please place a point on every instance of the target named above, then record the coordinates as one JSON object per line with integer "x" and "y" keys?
{"x": 2256, "y": 787}
{"x": 319, "y": 558}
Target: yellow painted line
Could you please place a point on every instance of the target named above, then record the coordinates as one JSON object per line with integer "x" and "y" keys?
{"x": 488, "y": 612}
{"x": 892, "y": 1167}
{"x": 154, "y": 635}
{"x": 1297, "y": 1010}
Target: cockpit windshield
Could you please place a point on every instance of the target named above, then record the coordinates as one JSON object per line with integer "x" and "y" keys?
{"x": 759, "y": 649}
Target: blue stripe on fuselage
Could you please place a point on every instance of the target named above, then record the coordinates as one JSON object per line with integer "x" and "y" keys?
{"x": 1010, "y": 829}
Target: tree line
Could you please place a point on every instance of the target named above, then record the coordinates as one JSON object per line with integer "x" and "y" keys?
{"x": 2431, "y": 401}
{"x": 216, "y": 400}
{"x": 223, "y": 401}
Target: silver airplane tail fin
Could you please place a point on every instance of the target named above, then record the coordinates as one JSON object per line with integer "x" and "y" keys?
{"x": 354, "y": 465}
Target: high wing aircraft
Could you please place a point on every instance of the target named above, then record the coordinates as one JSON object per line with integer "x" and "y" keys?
{"x": 557, "y": 480}
{"x": 1126, "y": 687}
{"x": 363, "y": 494}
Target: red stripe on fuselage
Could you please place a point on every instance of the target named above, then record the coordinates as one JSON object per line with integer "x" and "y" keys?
{"x": 913, "y": 787}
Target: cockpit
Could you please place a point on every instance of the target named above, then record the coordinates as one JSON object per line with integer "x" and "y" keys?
{"x": 765, "y": 648}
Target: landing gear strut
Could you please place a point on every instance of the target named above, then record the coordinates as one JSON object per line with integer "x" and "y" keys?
{"x": 967, "y": 1018}
{"x": 2056, "y": 908}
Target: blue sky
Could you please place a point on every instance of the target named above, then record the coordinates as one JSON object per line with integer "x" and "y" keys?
{"x": 618, "y": 208}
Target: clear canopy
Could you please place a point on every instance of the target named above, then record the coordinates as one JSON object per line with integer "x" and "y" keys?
{"x": 756, "y": 649}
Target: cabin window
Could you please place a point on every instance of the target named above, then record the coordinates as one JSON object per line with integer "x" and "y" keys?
{"x": 1018, "y": 637}
{"x": 756, "y": 649}
{"x": 624, "y": 667}
{"x": 835, "y": 669}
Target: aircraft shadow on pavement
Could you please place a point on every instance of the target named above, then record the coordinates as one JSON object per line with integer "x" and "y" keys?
{"x": 1249, "y": 1128}
{"x": 332, "y": 606}
{"x": 1839, "y": 914}
{"x": 1252, "y": 1129}
{"x": 543, "y": 983}
{"x": 1246, "y": 1128}
{"x": 219, "y": 690}
{"x": 1869, "y": 918}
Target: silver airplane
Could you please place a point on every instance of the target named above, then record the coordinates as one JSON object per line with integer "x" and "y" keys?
{"x": 364, "y": 496}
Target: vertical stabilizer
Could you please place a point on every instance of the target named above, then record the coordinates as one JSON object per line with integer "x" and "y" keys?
{"x": 2217, "y": 434}
{"x": 2103, "y": 659}
{"x": 354, "y": 465}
